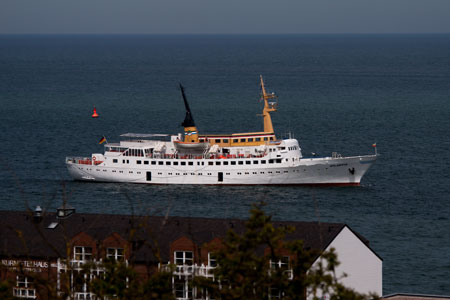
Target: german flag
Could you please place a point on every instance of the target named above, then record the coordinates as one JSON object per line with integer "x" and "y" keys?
{"x": 102, "y": 140}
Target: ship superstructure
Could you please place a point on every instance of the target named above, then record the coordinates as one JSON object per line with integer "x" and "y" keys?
{"x": 250, "y": 158}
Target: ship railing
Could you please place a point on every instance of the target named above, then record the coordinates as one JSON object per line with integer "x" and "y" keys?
{"x": 83, "y": 160}
{"x": 79, "y": 160}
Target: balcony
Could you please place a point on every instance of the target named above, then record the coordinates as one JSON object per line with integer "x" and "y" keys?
{"x": 189, "y": 270}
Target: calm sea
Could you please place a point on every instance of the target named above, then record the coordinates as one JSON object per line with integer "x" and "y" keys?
{"x": 336, "y": 93}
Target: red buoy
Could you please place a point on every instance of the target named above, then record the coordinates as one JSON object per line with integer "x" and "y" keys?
{"x": 95, "y": 115}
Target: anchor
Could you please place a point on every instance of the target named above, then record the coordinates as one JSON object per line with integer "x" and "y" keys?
{"x": 352, "y": 171}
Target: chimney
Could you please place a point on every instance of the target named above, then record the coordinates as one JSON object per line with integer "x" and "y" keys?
{"x": 37, "y": 215}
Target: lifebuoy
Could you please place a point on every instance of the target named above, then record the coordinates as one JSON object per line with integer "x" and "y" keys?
{"x": 94, "y": 158}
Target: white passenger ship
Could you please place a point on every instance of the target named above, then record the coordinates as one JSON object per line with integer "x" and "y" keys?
{"x": 251, "y": 158}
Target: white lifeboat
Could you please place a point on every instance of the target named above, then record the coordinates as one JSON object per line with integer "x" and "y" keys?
{"x": 179, "y": 145}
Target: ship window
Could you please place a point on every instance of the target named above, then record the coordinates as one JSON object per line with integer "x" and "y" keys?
{"x": 138, "y": 162}
{"x": 233, "y": 162}
{"x": 210, "y": 163}
{"x": 257, "y": 139}
{"x": 217, "y": 140}
{"x": 201, "y": 140}
{"x": 265, "y": 138}
{"x": 123, "y": 161}
{"x": 270, "y": 161}
{"x": 168, "y": 163}
{"x": 153, "y": 162}
{"x": 242, "y": 140}
{"x": 175, "y": 163}
{"x": 235, "y": 140}
{"x": 248, "y": 162}
{"x": 250, "y": 139}
{"x": 160, "y": 162}
{"x": 255, "y": 162}
{"x": 190, "y": 163}
{"x": 241, "y": 162}
{"x": 278, "y": 161}
{"x": 145, "y": 162}
{"x": 183, "y": 163}
{"x": 271, "y": 138}
{"x": 184, "y": 173}
{"x": 128, "y": 161}
{"x": 115, "y": 161}
{"x": 225, "y": 140}
{"x": 246, "y": 173}
{"x": 217, "y": 163}
{"x": 225, "y": 163}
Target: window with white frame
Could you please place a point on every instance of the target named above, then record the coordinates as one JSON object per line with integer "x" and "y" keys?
{"x": 275, "y": 293}
{"x": 114, "y": 254}
{"x": 212, "y": 262}
{"x": 182, "y": 290}
{"x": 82, "y": 253}
{"x": 283, "y": 263}
{"x": 184, "y": 258}
{"x": 24, "y": 288}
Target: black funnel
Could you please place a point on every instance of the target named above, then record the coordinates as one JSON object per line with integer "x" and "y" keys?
{"x": 188, "y": 120}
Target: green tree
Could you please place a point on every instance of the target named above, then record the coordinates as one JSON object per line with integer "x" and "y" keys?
{"x": 244, "y": 270}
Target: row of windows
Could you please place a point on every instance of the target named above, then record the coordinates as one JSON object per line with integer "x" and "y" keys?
{"x": 202, "y": 163}
{"x": 134, "y": 152}
{"x": 187, "y": 258}
{"x": 241, "y": 140}
{"x": 209, "y": 174}
{"x": 82, "y": 253}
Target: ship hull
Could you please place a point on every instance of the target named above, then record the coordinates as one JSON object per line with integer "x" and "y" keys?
{"x": 306, "y": 171}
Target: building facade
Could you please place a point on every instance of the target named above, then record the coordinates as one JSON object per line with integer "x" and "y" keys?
{"x": 56, "y": 248}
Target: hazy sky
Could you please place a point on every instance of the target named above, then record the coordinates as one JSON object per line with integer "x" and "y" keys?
{"x": 224, "y": 16}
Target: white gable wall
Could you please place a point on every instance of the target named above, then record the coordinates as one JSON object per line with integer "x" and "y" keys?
{"x": 362, "y": 266}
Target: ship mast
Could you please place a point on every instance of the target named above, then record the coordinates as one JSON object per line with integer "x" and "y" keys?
{"x": 190, "y": 130}
{"x": 268, "y": 107}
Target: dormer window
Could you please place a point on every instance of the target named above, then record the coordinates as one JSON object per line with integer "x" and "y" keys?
{"x": 82, "y": 253}
{"x": 212, "y": 262}
{"x": 283, "y": 263}
{"x": 115, "y": 254}
{"x": 64, "y": 211}
{"x": 184, "y": 258}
